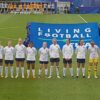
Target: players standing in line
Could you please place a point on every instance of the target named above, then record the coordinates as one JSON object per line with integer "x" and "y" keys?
{"x": 67, "y": 51}
{"x": 1, "y": 59}
{"x": 9, "y": 58}
{"x": 54, "y": 51}
{"x": 81, "y": 53}
{"x": 31, "y": 58}
{"x": 44, "y": 53}
{"x": 93, "y": 59}
{"x": 20, "y": 51}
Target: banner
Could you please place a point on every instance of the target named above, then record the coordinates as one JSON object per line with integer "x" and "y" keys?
{"x": 40, "y": 32}
{"x": 87, "y": 10}
{"x": 87, "y": 3}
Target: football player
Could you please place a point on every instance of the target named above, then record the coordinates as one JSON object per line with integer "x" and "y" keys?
{"x": 44, "y": 54}
{"x": 31, "y": 58}
{"x": 9, "y": 52}
{"x": 93, "y": 59}
{"x": 20, "y": 51}
{"x": 67, "y": 51}
{"x": 81, "y": 56}
{"x": 54, "y": 51}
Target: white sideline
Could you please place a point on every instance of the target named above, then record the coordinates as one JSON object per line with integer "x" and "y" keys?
{"x": 82, "y": 18}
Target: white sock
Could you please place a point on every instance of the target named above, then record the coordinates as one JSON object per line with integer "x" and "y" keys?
{"x": 71, "y": 71}
{"x": 40, "y": 72}
{"x": 64, "y": 71}
{"x": 6, "y": 71}
{"x": 83, "y": 71}
{"x": 11, "y": 70}
{"x": 17, "y": 71}
{"x": 1, "y": 70}
{"x": 78, "y": 71}
{"x": 28, "y": 72}
{"x": 57, "y": 70}
{"x": 51, "y": 69}
{"x": 46, "y": 72}
{"x": 22, "y": 69}
{"x": 33, "y": 72}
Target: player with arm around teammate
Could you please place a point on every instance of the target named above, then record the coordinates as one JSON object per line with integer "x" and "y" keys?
{"x": 54, "y": 51}
{"x": 81, "y": 56}
{"x": 44, "y": 54}
{"x": 9, "y": 52}
{"x": 67, "y": 51}
{"x": 20, "y": 51}
{"x": 93, "y": 59}
{"x": 31, "y": 59}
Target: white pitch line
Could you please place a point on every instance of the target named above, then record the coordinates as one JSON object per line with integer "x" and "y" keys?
{"x": 8, "y": 38}
{"x": 8, "y": 28}
{"x": 82, "y": 18}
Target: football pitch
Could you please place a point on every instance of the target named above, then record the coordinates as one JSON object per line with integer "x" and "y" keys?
{"x": 14, "y": 26}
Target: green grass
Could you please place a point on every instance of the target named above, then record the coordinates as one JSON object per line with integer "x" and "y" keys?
{"x": 12, "y": 27}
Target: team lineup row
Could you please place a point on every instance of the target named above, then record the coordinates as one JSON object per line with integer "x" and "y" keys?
{"x": 20, "y": 52}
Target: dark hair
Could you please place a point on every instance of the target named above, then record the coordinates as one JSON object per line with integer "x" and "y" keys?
{"x": 68, "y": 39}
{"x": 30, "y": 43}
{"x": 80, "y": 41}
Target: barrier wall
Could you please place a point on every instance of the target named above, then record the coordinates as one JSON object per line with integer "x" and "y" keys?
{"x": 86, "y": 10}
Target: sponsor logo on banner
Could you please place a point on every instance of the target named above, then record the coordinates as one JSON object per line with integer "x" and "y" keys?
{"x": 40, "y": 32}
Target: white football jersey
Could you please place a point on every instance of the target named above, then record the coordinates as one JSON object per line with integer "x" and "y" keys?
{"x": 44, "y": 53}
{"x": 54, "y": 51}
{"x": 9, "y": 53}
{"x": 31, "y": 53}
{"x": 93, "y": 52}
{"x": 81, "y": 52}
{"x": 1, "y": 52}
{"x": 20, "y": 51}
{"x": 67, "y": 51}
